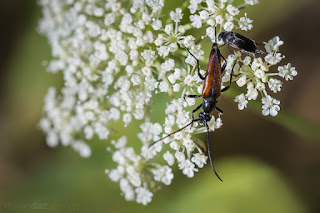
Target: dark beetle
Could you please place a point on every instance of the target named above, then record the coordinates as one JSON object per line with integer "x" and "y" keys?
{"x": 239, "y": 42}
{"x": 211, "y": 94}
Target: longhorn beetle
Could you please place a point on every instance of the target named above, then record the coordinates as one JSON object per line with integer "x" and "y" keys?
{"x": 211, "y": 94}
{"x": 239, "y": 42}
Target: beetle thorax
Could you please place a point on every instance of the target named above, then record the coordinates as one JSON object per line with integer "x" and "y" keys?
{"x": 209, "y": 104}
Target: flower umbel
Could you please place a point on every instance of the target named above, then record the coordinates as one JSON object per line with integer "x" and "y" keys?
{"x": 117, "y": 58}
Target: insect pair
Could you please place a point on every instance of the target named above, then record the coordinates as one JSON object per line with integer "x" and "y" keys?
{"x": 211, "y": 92}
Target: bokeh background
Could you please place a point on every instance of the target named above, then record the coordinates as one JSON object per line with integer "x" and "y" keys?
{"x": 268, "y": 165}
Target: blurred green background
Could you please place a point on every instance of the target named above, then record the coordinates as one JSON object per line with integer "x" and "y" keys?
{"x": 268, "y": 165}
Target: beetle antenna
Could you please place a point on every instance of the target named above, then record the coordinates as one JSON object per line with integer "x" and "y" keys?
{"x": 174, "y": 132}
{"x": 209, "y": 153}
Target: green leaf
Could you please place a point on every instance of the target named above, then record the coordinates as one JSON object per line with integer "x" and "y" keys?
{"x": 249, "y": 186}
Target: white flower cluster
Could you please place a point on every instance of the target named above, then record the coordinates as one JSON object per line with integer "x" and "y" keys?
{"x": 116, "y": 57}
{"x": 133, "y": 171}
{"x": 219, "y": 13}
{"x": 257, "y": 76}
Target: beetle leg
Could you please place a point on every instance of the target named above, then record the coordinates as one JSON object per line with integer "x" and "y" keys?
{"x": 192, "y": 96}
{"x": 223, "y": 66}
{"x": 198, "y": 64}
{"x": 227, "y": 87}
{"x": 219, "y": 110}
{"x": 193, "y": 111}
